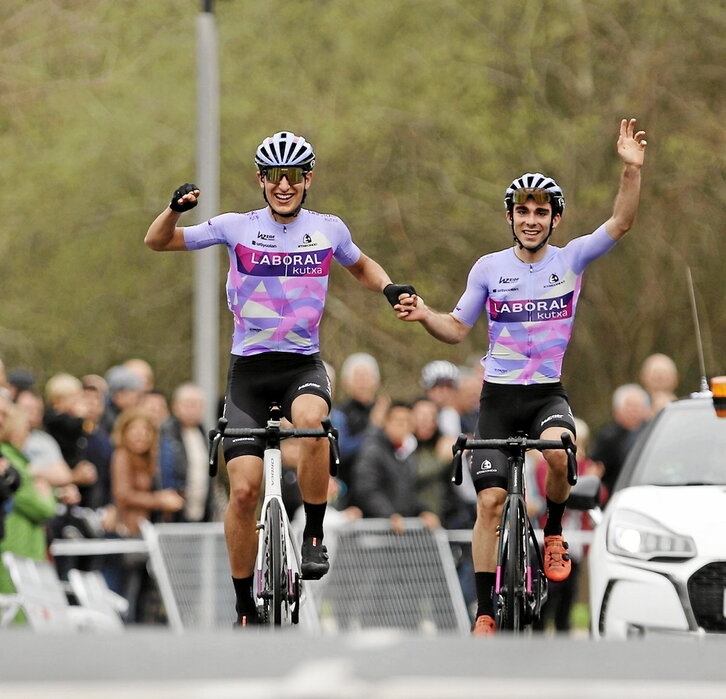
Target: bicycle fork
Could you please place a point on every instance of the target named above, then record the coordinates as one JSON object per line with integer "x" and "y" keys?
{"x": 290, "y": 554}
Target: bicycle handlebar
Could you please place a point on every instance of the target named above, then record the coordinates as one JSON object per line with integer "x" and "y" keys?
{"x": 217, "y": 434}
{"x": 515, "y": 446}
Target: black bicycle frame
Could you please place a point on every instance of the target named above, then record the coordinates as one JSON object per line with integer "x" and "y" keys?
{"x": 520, "y": 596}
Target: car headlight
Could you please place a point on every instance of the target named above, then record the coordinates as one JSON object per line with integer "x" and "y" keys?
{"x": 637, "y": 536}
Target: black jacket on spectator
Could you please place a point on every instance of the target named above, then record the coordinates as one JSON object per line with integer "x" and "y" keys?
{"x": 351, "y": 420}
{"x": 611, "y": 447}
{"x": 72, "y": 439}
{"x": 68, "y": 431}
{"x": 174, "y": 464}
{"x": 385, "y": 482}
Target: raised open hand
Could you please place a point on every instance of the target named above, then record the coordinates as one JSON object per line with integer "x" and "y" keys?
{"x": 631, "y": 144}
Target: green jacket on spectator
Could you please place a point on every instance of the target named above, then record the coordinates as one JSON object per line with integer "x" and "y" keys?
{"x": 24, "y": 523}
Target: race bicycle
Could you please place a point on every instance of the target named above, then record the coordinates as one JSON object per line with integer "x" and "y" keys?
{"x": 277, "y": 577}
{"x": 520, "y": 584}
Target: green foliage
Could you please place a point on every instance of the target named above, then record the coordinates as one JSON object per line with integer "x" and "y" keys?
{"x": 420, "y": 112}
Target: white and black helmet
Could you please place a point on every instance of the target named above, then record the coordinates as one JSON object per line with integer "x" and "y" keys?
{"x": 536, "y": 180}
{"x": 285, "y": 149}
{"x": 439, "y": 371}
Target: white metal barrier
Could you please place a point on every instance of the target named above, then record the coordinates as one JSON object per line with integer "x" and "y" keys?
{"x": 378, "y": 579}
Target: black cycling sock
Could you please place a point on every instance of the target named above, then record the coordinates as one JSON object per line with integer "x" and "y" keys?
{"x": 314, "y": 515}
{"x": 555, "y": 510}
{"x": 243, "y": 591}
{"x": 484, "y": 583}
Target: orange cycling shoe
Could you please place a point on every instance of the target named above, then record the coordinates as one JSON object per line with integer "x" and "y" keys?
{"x": 557, "y": 564}
{"x": 484, "y": 626}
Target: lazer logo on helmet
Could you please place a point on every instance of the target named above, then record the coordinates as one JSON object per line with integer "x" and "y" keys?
{"x": 530, "y": 311}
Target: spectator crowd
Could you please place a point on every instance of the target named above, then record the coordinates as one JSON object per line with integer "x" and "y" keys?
{"x": 96, "y": 456}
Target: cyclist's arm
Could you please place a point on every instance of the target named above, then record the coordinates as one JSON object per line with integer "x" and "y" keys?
{"x": 631, "y": 149}
{"x": 163, "y": 234}
{"x": 442, "y": 326}
{"x": 369, "y": 273}
{"x": 626, "y": 203}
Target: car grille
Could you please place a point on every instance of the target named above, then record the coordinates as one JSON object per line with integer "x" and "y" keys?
{"x": 706, "y": 590}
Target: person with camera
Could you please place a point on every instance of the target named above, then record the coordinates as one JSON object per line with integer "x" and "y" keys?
{"x": 29, "y": 503}
{"x": 9, "y": 483}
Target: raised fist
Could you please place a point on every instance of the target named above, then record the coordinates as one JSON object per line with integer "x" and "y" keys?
{"x": 181, "y": 201}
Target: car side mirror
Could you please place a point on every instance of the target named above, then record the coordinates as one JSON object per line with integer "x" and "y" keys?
{"x": 585, "y": 495}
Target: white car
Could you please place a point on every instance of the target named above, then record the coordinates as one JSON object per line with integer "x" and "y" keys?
{"x": 657, "y": 563}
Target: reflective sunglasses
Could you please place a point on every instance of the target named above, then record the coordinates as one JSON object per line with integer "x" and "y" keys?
{"x": 540, "y": 196}
{"x": 295, "y": 175}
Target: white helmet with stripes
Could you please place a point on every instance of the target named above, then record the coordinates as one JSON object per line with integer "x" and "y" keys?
{"x": 536, "y": 180}
{"x": 285, "y": 149}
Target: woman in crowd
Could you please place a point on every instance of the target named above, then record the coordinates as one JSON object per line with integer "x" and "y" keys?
{"x": 135, "y": 478}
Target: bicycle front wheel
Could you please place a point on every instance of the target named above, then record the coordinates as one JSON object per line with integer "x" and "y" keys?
{"x": 275, "y": 573}
{"x": 513, "y": 570}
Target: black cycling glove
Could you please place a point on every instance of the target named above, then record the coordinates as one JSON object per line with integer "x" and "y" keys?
{"x": 178, "y": 194}
{"x": 393, "y": 291}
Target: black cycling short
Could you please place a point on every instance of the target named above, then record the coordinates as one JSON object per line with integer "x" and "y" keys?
{"x": 256, "y": 381}
{"x": 506, "y": 409}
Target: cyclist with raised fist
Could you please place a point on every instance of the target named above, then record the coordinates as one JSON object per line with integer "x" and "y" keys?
{"x": 280, "y": 258}
{"x": 529, "y": 292}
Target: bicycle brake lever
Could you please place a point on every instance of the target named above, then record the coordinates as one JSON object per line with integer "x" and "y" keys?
{"x": 334, "y": 449}
{"x": 571, "y": 450}
{"x": 458, "y": 451}
{"x": 215, "y": 437}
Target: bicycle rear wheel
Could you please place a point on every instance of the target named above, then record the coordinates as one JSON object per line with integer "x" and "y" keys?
{"x": 513, "y": 570}
{"x": 275, "y": 585}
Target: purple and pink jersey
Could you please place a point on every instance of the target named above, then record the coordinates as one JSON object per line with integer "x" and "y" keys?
{"x": 278, "y": 275}
{"x": 530, "y": 307}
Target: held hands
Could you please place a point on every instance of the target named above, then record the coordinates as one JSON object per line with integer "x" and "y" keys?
{"x": 411, "y": 308}
{"x": 393, "y": 292}
{"x": 402, "y": 298}
{"x": 184, "y": 198}
{"x": 631, "y": 144}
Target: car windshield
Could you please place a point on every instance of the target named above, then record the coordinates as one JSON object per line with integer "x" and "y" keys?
{"x": 686, "y": 447}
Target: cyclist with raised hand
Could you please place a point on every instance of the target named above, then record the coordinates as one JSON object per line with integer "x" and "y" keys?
{"x": 280, "y": 259}
{"x": 530, "y": 292}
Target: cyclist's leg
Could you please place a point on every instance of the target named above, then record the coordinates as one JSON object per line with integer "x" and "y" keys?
{"x": 314, "y": 477}
{"x": 557, "y": 489}
{"x": 313, "y": 467}
{"x": 557, "y": 416}
{"x": 484, "y": 543}
{"x": 484, "y": 539}
{"x": 240, "y": 518}
{"x": 246, "y": 405}
{"x": 309, "y": 402}
{"x": 240, "y": 532}
{"x": 489, "y": 475}
{"x": 554, "y": 416}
